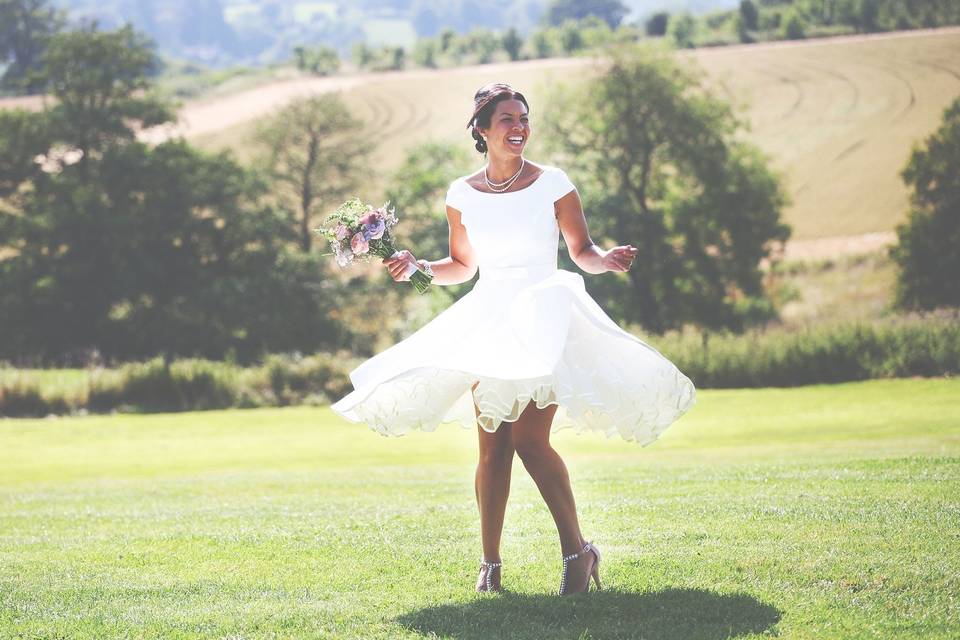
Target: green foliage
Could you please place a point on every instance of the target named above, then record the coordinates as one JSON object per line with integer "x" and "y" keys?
{"x": 314, "y": 154}
{"x": 928, "y": 248}
{"x": 682, "y": 30}
{"x": 101, "y": 82}
{"x": 26, "y": 27}
{"x": 542, "y": 44}
{"x": 610, "y": 11}
{"x": 184, "y": 385}
{"x": 658, "y": 165}
{"x": 425, "y": 53}
{"x": 321, "y": 61}
{"x": 145, "y": 249}
{"x": 656, "y": 24}
{"x": 904, "y": 346}
{"x": 749, "y": 14}
{"x": 793, "y": 27}
{"x": 512, "y": 43}
{"x": 23, "y": 136}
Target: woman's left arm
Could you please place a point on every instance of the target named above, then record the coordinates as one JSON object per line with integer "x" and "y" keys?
{"x": 584, "y": 253}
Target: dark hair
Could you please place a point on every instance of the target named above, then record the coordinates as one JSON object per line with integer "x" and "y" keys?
{"x": 485, "y": 103}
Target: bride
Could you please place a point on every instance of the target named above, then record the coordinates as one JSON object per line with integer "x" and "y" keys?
{"x": 525, "y": 343}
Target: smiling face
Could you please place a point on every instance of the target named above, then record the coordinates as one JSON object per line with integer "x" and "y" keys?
{"x": 509, "y": 129}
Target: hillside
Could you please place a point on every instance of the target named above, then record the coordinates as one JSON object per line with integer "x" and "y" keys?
{"x": 837, "y": 116}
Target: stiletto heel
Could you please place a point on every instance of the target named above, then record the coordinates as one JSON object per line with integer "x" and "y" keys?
{"x": 594, "y": 570}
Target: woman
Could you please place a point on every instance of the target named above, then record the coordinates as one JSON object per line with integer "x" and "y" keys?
{"x": 527, "y": 350}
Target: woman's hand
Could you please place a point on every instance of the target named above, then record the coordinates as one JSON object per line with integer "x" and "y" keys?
{"x": 619, "y": 258}
{"x": 398, "y": 265}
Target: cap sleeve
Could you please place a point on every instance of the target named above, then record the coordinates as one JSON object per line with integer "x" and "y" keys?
{"x": 455, "y": 195}
{"x": 561, "y": 184}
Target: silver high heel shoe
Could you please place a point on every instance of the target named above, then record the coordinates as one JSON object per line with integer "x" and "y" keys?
{"x": 593, "y": 573}
{"x": 486, "y": 581}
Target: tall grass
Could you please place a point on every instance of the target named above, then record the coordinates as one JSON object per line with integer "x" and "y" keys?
{"x": 895, "y": 347}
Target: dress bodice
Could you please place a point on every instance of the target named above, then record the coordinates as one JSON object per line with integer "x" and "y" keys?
{"x": 514, "y": 234}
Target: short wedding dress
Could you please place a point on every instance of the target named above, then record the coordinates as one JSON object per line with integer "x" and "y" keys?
{"x": 526, "y": 332}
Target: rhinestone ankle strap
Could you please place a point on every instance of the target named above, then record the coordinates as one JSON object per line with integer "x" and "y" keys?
{"x": 573, "y": 556}
{"x": 489, "y": 566}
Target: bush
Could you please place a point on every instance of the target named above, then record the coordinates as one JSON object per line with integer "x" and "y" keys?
{"x": 900, "y": 346}
{"x": 793, "y": 27}
{"x": 185, "y": 385}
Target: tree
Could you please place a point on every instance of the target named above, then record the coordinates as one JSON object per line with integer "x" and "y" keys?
{"x": 315, "y": 153}
{"x": 659, "y": 164}
{"x": 425, "y": 52}
{"x": 571, "y": 39}
{"x": 512, "y": 42}
{"x": 361, "y": 54}
{"x": 793, "y": 27}
{"x": 108, "y": 242}
{"x": 321, "y": 61}
{"x": 682, "y": 29}
{"x": 928, "y": 247}
{"x": 610, "y": 11}
{"x": 656, "y": 24}
{"x": 26, "y": 27}
{"x": 542, "y": 43}
{"x": 101, "y": 82}
{"x": 749, "y": 14}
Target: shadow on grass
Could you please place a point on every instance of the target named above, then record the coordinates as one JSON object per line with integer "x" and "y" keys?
{"x": 680, "y": 614}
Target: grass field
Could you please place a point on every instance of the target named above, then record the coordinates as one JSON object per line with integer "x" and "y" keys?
{"x": 815, "y": 512}
{"x": 837, "y": 116}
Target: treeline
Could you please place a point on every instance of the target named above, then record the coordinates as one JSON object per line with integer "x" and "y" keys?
{"x": 570, "y": 28}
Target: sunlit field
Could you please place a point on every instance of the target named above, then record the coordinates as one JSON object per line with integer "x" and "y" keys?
{"x": 814, "y": 512}
{"x": 838, "y": 117}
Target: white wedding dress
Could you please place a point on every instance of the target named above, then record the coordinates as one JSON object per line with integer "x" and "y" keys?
{"x": 527, "y": 331}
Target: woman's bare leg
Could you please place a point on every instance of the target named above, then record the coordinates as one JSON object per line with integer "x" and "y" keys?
{"x": 493, "y": 484}
{"x": 531, "y": 440}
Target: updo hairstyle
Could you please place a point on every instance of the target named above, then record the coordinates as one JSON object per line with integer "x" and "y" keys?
{"x": 485, "y": 103}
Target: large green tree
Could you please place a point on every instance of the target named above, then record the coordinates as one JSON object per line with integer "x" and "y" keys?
{"x": 26, "y": 27}
{"x": 660, "y": 165}
{"x": 315, "y": 151}
{"x": 928, "y": 250}
{"x": 137, "y": 250}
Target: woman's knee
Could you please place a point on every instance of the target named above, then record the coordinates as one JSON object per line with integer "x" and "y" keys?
{"x": 530, "y": 448}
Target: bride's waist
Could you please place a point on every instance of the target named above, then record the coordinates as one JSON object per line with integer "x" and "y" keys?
{"x": 519, "y": 272}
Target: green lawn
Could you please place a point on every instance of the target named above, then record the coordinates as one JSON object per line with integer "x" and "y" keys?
{"x": 813, "y": 512}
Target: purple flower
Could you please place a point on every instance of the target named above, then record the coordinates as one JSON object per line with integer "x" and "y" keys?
{"x": 374, "y": 230}
{"x": 359, "y": 243}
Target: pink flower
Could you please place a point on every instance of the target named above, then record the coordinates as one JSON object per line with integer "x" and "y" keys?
{"x": 342, "y": 232}
{"x": 359, "y": 243}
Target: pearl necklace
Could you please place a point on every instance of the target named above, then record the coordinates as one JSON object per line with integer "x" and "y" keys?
{"x": 508, "y": 182}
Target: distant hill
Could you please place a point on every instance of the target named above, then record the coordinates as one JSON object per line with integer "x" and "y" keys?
{"x": 837, "y": 116}
{"x": 253, "y": 32}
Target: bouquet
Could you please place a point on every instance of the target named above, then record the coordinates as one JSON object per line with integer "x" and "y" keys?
{"x": 357, "y": 231}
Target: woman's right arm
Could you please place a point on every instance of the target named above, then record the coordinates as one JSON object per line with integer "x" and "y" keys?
{"x": 461, "y": 264}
